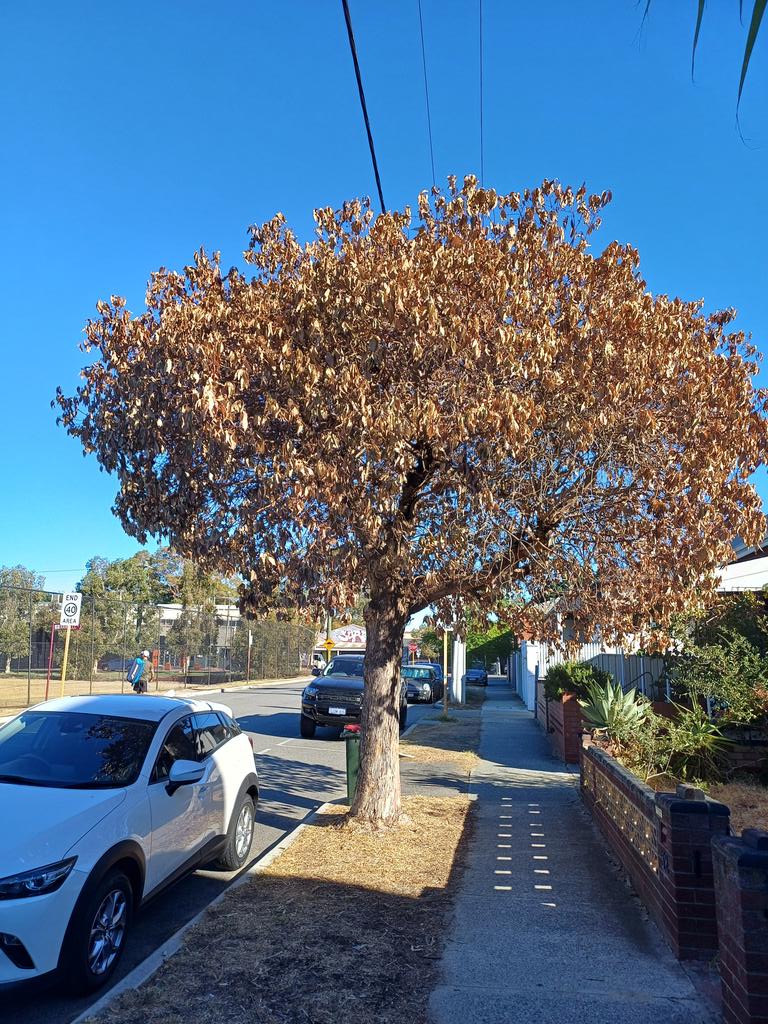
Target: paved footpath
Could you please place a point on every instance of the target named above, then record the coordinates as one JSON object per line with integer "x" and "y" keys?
{"x": 545, "y": 931}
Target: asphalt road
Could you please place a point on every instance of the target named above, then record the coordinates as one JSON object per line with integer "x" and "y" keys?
{"x": 295, "y": 777}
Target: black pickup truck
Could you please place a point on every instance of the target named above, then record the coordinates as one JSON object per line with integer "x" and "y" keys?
{"x": 335, "y": 697}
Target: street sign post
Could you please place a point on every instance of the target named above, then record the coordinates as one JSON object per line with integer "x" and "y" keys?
{"x": 70, "y": 616}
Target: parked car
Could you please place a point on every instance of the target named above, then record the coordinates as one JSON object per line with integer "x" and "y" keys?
{"x": 476, "y": 677}
{"x": 114, "y": 663}
{"x": 105, "y": 801}
{"x": 436, "y": 666}
{"x": 421, "y": 684}
{"x": 335, "y": 698}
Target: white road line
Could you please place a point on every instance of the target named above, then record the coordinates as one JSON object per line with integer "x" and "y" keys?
{"x": 263, "y": 751}
{"x": 284, "y": 742}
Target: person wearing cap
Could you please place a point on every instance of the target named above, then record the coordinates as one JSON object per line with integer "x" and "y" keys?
{"x": 149, "y": 670}
{"x": 141, "y": 672}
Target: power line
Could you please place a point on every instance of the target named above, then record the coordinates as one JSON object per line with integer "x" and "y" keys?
{"x": 426, "y": 94}
{"x": 482, "y": 144}
{"x": 353, "y": 48}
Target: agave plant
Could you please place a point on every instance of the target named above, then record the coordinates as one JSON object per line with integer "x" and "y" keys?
{"x": 696, "y": 745}
{"x": 606, "y": 708}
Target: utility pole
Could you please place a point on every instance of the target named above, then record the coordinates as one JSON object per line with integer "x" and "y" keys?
{"x": 328, "y": 648}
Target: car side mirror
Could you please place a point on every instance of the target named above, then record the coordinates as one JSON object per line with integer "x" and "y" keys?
{"x": 184, "y": 773}
{"x": 315, "y": 670}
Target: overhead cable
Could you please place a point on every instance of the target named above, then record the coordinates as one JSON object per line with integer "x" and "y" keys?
{"x": 482, "y": 141}
{"x": 426, "y": 94}
{"x": 361, "y": 92}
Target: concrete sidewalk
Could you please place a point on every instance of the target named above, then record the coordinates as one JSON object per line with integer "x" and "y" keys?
{"x": 545, "y": 931}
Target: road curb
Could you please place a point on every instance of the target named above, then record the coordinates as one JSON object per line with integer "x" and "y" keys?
{"x": 143, "y": 971}
{"x": 254, "y": 685}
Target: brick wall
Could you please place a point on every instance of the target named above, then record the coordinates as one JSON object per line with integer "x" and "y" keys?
{"x": 563, "y": 723}
{"x": 741, "y": 887}
{"x": 663, "y": 841}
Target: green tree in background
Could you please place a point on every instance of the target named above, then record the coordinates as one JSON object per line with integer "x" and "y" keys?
{"x": 15, "y": 624}
{"x": 195, "y": 631}
{"x": 488, "y": 641}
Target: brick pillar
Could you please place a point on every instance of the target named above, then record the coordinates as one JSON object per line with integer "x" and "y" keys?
{"x": 572, "y": 728}
{"x": 687, "y": 824}
{"x": 741, "y": 887}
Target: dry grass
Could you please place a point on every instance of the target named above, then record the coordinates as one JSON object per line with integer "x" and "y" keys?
{"x": 13, "y": 689}
{"x": 476, "y": 696}
{"x": 436, "y": 741}
{"x": 346, "y": 925}
{"x": 748, "y": 803}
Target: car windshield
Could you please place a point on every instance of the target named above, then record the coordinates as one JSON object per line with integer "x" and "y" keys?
{"x": 344, "y": 667}
{"x": 414, "y": 672}
{"x": 71, "y": 750}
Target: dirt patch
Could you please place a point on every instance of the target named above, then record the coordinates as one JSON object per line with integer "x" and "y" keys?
{"x": 438, "y": 741}
{"x": 347, "y": 924}
{"x": 748, "y": 803}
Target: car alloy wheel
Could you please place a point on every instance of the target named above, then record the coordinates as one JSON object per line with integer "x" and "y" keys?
{"x": 244, "y": 831}
{"x": 107, "y": 932}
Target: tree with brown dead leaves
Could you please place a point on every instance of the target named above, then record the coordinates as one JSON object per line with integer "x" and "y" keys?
{"x": 469, "y": 409}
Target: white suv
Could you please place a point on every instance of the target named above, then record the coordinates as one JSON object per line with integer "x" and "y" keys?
{"x": 103, "y": 802}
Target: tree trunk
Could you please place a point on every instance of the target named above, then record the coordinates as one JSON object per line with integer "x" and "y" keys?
{"x": 377, "y": 798}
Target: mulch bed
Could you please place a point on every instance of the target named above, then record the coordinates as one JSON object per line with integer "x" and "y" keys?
{"x": 346, "y": 925}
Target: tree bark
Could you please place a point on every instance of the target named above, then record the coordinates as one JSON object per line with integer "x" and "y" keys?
{"x": 377, "y": 798}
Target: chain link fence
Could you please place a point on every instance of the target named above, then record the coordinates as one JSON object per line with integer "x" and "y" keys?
{"x": 205, "y": 646}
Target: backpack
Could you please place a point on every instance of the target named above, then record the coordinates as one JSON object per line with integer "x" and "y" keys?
{"x": 136, "y": 671}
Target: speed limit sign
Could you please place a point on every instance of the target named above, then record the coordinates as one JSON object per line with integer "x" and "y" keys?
{"x": 70, "y": 610}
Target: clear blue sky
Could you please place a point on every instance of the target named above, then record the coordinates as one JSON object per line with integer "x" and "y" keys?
{"x": 133, "y": 133}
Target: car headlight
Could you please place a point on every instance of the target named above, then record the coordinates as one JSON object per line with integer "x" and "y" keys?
{"x": 36, "y": 883}
{"x": 425, "y": 689}
{"x": 311, "y": 691}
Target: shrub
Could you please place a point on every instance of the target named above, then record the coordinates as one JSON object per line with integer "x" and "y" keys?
{"x": 573, "y": 677}
{"x": 721, "y": 663}
{"x": 695, "y": 744}
{"x": 607, "y": 709}
{"x": 687, "y": 747}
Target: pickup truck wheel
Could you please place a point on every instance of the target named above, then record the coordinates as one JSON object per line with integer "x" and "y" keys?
{"x": 403, "y": 717}
{"x": 307, "y": 727}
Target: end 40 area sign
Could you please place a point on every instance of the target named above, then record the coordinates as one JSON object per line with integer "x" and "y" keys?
{"x": 70, "y": 610}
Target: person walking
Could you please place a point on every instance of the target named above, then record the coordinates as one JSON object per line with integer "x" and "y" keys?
{"x": 149, "y": 670}
{"x": 141, "y": 672}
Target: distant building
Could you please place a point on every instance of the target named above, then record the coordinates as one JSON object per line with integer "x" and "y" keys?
{"x": 349, "y": 639}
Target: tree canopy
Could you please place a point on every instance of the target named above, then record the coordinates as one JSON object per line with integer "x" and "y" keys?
{"x": 465, "y": 409}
